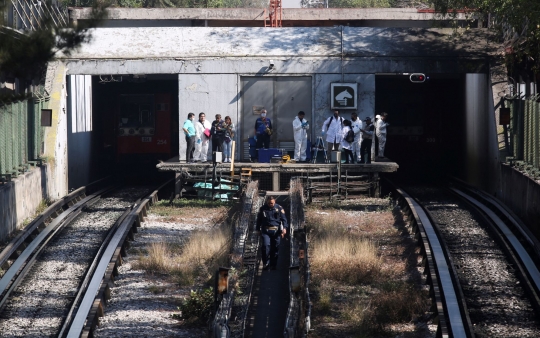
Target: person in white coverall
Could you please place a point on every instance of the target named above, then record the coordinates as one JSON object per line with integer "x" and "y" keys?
{"x": 380, "y": 131}
{"x": 332, "y": 128}
{"x": 356, "y": 126}
{"x": 300, "y": 128}
{"x": 202, "y": 140}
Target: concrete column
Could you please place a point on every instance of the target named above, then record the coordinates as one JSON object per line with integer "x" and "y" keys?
{"x": 178, "y": 185}
{"x": 275, "y": 181}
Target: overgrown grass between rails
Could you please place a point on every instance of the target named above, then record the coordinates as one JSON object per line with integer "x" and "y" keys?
{"x": 199, "y": 258}
{"x": 355, "y": 282}
{"x": 345, "y": 259}
{"x": 396, "y": 301}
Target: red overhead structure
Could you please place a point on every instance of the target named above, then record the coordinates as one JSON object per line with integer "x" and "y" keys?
{"x": 275, "y": 13}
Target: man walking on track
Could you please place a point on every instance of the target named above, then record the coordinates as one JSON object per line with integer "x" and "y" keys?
{"x": 272, "y": 223}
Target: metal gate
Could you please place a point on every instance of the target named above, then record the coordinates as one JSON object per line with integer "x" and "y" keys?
{"x": 283, "y": 97}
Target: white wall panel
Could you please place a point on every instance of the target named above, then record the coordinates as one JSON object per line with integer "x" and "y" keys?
{"x": 209, "y": 93}
{"x": 80, "y": 130}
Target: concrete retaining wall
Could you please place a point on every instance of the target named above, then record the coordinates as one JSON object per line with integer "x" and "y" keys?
{"x": 20, "y": 198}
{"x": 521, "y": 194}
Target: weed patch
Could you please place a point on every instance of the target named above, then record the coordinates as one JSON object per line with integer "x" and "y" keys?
{"x": 197, "y": 308}
{"x": 345, "y": 259}
{"x": 364, "y": 270}
{"x": 203, "y": 253}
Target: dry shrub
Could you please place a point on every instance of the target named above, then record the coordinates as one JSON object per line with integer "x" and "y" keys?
{"x": 397, "y": 302}
{"x": 157, "y": 260}
{"x": 200, "y": 257}
{"x": 325, "y": 290}
{"x": 345, "y": 259}
{"x": 339, "y": 222}
{"x": 356, "y": 313}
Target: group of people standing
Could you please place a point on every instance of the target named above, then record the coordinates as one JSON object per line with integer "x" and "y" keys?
{"x": 200, "y": 133}
{"x": 355, "y": 136}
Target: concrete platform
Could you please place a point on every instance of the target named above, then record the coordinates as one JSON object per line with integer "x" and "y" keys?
{"x": 383, "y": 165}
{"x": 275, "y": 176}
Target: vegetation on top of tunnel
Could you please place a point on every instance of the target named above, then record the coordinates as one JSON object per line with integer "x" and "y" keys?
{"x": 24, "y": 55}
{"x": 516, "y": 21}
{"x": 248, "y": 3}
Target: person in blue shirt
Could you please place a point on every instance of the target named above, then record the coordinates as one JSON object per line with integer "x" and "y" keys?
{"x": 189, "y": 132}
{"x": 272, "y": 223}
{"x": 263, "y": 130}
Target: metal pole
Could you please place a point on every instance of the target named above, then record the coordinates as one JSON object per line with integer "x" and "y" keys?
{"x": 342, "y": 76}
{"x": 339, "y": 176}
{"x": 233, "y": 146}
{"x": 213, "y": 179}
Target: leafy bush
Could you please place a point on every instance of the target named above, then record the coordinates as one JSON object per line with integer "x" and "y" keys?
{"x": 197, "y": 308}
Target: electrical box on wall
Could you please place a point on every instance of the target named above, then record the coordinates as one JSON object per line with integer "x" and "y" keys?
{"x": 46, "y": 117}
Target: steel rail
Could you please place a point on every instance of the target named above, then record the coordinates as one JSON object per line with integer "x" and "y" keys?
{"x": 91, "y": 306}
{"x": 84, "y": 285}
{"x": 524, "y": 263}
{"x": 17, "y": 244}
{"x": 18, "y": 270}
{"x": 506, "y": 214}
{"x": 38, "y": 224}
{"x": 451, "y": 322}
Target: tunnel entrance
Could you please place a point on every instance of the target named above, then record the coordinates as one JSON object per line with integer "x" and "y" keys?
{"x": 426, "y": 136}
{"x": 137, "y": 121}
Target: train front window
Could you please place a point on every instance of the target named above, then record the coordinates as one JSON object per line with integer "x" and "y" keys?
{"x": 136, "y": 111}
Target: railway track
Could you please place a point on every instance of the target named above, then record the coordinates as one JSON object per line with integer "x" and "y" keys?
{"x": 58, "y": 270}
{"x": 480, "y": 260}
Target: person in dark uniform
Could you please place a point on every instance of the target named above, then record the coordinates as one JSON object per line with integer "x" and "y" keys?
{"x": 218, "y": 133}
{"x": 263, "y": 130}
{"x": 367, "y": 139}
{"x": 272, "y": 223}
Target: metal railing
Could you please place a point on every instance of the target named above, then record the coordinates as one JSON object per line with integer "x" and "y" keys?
{"x": 30, "y": 15}
{"x": 21, "y": 136}
{"x": 524, "y": 133}
{"x": 298, "y": 320}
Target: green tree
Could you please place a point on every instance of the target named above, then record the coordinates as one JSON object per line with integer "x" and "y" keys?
{"x": 24, "y": 55}
{"x": 517, "y": 21}
{"x": 359, "y": 3}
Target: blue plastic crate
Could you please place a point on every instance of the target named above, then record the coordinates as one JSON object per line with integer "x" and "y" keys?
{"x": 266, "y": 154}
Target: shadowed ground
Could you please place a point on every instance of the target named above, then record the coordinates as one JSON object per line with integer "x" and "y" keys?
{"x": 268, "y": 308}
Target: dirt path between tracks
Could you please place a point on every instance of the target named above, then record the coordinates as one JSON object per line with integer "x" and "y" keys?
{"x": 148, "y": 292}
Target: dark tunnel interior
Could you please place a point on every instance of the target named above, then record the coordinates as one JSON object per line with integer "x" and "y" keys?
{"x": 426, "y": 136}
{"x": 137, "y": 121}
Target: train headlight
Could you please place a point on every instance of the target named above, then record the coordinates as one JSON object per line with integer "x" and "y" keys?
{"x": 121, "y": 131}
{"x": 131, "y": 131}
{"x": 151, "y": 131}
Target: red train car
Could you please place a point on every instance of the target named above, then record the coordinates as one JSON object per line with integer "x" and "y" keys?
{"x": 143, "y": 126}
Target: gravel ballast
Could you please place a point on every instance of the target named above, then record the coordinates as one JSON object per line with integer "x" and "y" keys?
{"x": 497, "y": 304}
{"x": 38, "y": 306}
{"x": 143, "y": 305}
